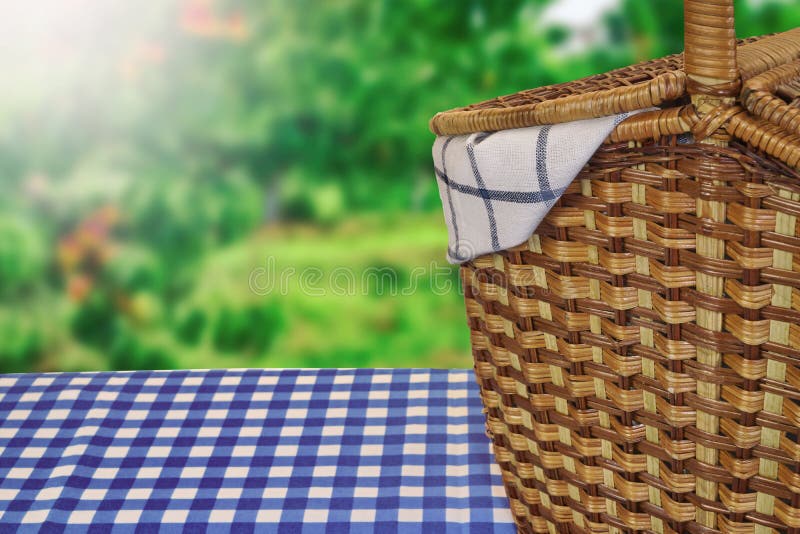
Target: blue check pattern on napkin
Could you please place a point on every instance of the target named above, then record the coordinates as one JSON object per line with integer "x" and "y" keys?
{"x": 283, "y": 451}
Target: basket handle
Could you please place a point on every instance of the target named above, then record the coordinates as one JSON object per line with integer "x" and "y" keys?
{"x": 710, "y": 51}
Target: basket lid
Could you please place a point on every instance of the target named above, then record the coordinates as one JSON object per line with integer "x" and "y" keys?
{"x": 755, "y": 55}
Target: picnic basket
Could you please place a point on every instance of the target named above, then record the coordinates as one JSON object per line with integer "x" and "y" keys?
{"x": 639, "y": 356}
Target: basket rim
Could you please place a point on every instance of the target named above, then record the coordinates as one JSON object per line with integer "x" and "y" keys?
{"x": 642, "y": 85}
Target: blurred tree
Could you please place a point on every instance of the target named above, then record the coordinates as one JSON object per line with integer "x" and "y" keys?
{"x": 141, "y": 141}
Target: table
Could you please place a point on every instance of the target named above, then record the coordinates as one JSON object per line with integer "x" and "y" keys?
{"x": 284, "y": 451}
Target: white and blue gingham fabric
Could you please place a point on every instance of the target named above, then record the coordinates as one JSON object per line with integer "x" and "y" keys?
{"x": 496, "y": 187}
{"x": 273, "y": 451}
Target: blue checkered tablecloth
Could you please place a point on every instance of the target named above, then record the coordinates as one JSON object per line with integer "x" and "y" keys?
{"x": 284, "y": 451}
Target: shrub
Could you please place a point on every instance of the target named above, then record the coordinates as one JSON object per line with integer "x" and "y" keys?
{"x": 22, "y": 256}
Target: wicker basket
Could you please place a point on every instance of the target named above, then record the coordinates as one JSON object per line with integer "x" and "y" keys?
{"x": 639, "y": 355}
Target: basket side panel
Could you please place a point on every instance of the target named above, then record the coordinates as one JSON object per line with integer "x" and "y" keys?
{"x": 638, "y": 356}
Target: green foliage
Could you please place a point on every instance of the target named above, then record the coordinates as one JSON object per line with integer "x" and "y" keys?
{"x": 190, "y": 325}
{"x": 136, "y": 268}
{"x": 131, "y": 350}
{"x": 95, "y": 322}
{"x": 22, "y": 342}
{"x": 153, "y": 154}
{"x": 250, "y": 329}
{"x": 22, "y": 255}
{"x": 176, "y": 216}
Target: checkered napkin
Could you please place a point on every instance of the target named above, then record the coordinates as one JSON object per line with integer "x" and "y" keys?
{"x": 282, "y": 451}
{"x": 497, "y": 187}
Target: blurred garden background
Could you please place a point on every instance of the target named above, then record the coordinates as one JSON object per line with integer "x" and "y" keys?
{"x": 155, "y": 155}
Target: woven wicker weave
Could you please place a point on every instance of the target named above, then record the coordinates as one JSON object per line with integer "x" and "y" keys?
{"x": 639, "y": 356}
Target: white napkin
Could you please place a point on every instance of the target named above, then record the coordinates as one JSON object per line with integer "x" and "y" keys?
{"x": 497, "y": 187}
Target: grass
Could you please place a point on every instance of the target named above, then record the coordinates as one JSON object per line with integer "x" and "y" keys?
{"x": 331, "y": 310}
